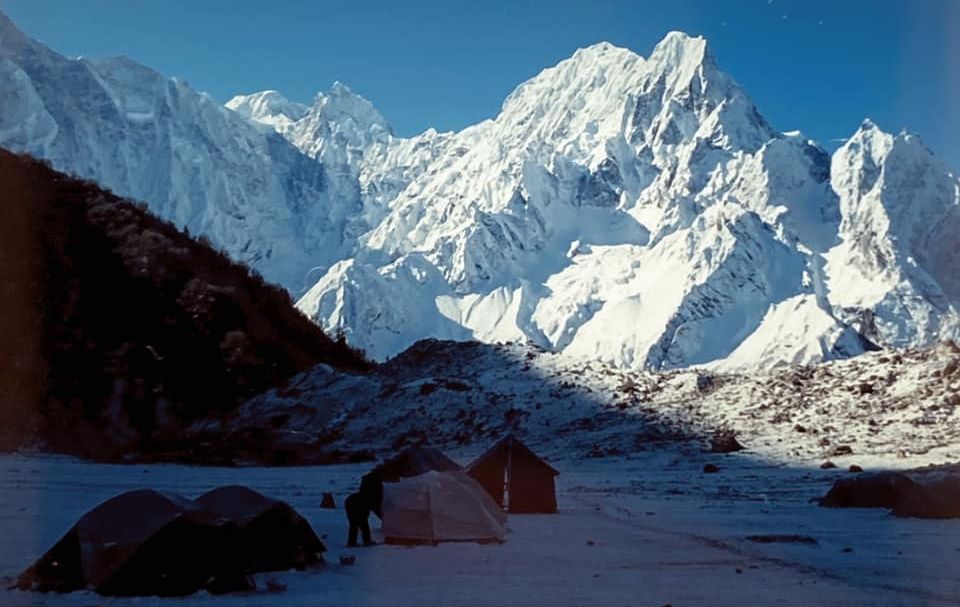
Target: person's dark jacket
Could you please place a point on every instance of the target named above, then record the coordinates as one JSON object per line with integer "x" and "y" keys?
{"x": 371, "y": 488}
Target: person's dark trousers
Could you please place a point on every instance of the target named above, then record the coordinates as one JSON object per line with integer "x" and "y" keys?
{"x": 358, "y": 511}
{"x": 362, "y": 527}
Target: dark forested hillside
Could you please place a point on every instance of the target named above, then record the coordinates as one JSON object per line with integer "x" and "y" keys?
{"x": 116, "y": 329}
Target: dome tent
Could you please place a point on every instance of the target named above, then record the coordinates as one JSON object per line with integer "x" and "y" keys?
{"x": 414, "y": 461}
{"x": 516, "y": 477}
{"x": 142, "y": 543}
{"x": 273, "y": 536}
{"x": 440, "y": 507}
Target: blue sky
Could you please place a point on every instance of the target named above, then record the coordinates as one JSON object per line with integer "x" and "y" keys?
{"x": 814, "y": 65}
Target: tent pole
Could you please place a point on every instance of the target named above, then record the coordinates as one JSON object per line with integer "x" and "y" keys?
{"x": 507, "y": 473}
{"x": 433, "y": 526}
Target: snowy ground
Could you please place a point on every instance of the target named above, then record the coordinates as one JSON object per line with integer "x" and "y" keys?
{"x": 649, "y": 530}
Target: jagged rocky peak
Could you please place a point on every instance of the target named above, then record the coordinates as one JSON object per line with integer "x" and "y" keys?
{"x": 339, "y": 114}
{"x": 901, "y": 208}
{"x": 582, "y": 97}
{"x": 893, "y": 182}
{"x": 685, "y": 96}
{"x": 682, "y": 54}
{"x": 340, "y": 103}
{"x": 862, "y": 153}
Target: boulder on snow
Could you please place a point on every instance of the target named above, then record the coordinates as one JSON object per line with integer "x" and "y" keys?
{"x": 327, "y": 502}
{"x": 878, "y": 490}
{"x": 705, "y": 383}
{"x": 936, "y": 499}
{"x": 725, "y": 441}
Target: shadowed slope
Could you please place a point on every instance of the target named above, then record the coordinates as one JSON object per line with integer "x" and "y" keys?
{"x": 118, "y": 328}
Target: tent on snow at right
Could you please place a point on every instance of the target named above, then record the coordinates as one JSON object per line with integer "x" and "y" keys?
{"x": 516, "y": 478}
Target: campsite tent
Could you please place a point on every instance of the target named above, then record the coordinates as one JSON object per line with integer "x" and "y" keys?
{"x": 141, "y": 543}
{"x": 273, "y": 536}
{"x": 414, "y": 461}
{"x": 515, "y": 477}
{"x": 440, "y": 507}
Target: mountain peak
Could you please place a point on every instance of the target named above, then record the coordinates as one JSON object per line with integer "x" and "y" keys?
{"x": 679, "y": 49}
{"x": 598, "y": 49}
{"x": 870, "y": 140}
{"x": 6, "y": 23}
{"x": 868, "y": 125}
{"x": 268, "y": 107}
{"x": 341, "y": 102}
{"x": 10, "y": 35}
{"x": 339, "y": 89}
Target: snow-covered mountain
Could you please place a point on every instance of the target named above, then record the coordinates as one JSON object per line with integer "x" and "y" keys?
{"x": 636, "y": 210}
{"x": 643, "y": 212}
{"x": 898, "y": 261}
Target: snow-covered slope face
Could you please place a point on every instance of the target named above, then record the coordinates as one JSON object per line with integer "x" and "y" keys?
{"x": 269, "y": 108}
{"x": 366, "y": 166}
{"x": 639, "y": 211}
{"x": 192, "y": 160}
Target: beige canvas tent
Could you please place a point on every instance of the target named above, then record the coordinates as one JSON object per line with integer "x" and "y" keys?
{"x": 440, "y": 507}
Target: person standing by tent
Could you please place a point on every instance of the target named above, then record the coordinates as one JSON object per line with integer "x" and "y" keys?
{"x": 359, "y": 505}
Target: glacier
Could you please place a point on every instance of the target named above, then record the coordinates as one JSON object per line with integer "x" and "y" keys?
{"x": 636, "y": 210}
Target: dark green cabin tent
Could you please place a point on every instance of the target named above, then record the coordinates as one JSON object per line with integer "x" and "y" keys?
{"x": 516, "y": 477}
{"x": 273, "y": 536}
{"x": 143, "y": 543}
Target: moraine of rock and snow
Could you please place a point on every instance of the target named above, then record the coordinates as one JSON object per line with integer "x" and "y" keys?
{"x": 636, "y": 211}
